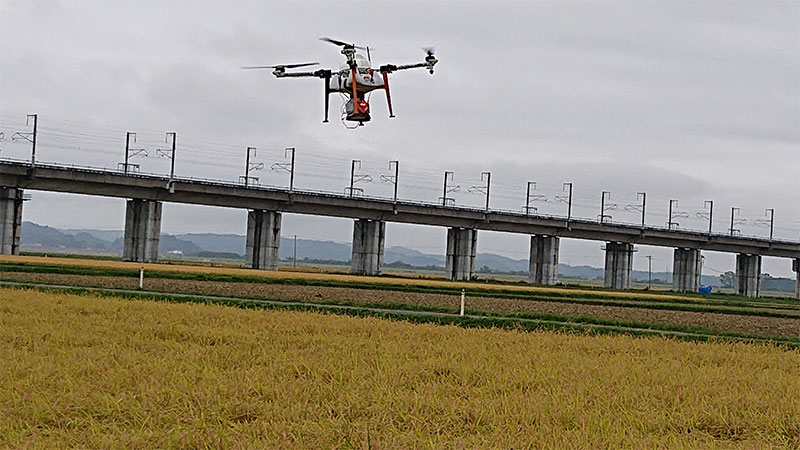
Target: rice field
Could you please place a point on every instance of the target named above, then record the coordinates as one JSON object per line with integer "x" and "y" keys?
{"x": 317, "y": 276}
{"x": 775, "y": 323}
{"x": 92, "y": 372}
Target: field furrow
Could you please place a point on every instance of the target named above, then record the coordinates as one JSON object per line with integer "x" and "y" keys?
{"x": 717, "y": 322}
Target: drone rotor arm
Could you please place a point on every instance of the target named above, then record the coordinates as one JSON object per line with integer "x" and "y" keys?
{"x": 411, "y": 66}
{"x": 279, "y": 70}
{"x": 282, "y": 66}
{"x": 422, "y": 65}
{"x": 298, "y": 74}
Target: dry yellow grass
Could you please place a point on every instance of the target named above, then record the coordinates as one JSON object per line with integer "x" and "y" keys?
{"x": 83, "y": 371}
{"x": 307, "y": 275}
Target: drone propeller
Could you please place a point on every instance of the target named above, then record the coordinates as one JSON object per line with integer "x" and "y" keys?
{"x": 430, "y": 60}
{"x": 281, "y": 66}
{"x": 340, "y": 43}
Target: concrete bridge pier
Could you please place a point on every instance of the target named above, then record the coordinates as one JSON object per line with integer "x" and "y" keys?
{"x": 10, "y": 220}
{"x": 462, "y": 243}
{"x": 142, "y": 230}
{"x": 543, "y": 260}
{"x": 368, "y": 240}
{"x": 619, "y": 263}
{"x": 687, "y": 267}
{"x": 263, "y": 239}
{"x": 748, "y": 274}
{"x": 796, "y": 268}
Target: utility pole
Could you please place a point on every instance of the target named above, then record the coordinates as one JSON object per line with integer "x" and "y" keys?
{"x": 710, "y": 214}
{"x": 356, "y": 178}
{"x": 287, "y": 167}
{"x": 128, "y": 136}
{"x": 527, "y": 206}
{"x": 603, "y": 207}
{"x": 735, "y": 221}
{"x": 669, "y": 220}
{"x": 172, "y": 159}
{"x": 353, "y": 173}
{"x": 769, "y": 212}
{"x": 35, "y": 134}
{"x": 567, "y": 200}
{"x": 488, "y": 186}
{"x": 294, "y": 258}
{"x": 644, "y": 203}
{"x": 674, "y": 214}
{"x": 708, "y": 204}
{"x": 446, "y": 190}
{"x": 131, "y": 137}
{"x": 392, "y": 178}
{"x": 248, "y": 166}
{"x": 171, "y": 155}
{"x": 291, "y": 173}
{"x": 30, "y": 137}
{"x": 532, "y": 198}
{"x": 771, "y": 221}
{"x": 396, "y": 175}
{"x": 485, "y": 176}
{"x": 641, "y": 196}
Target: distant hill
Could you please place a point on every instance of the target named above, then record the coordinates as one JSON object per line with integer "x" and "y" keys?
{"x": 235, "y": 244}
{"x": 411, "y": 257}
{"x": 170, "y": 243}
{"x": 105, "y": 235}
{"x": 499, "y": 263}
{"x": 310, "y": 249}
{"x": 210, "y": 242}
{"x": 35, "y": 235}
{"x": 44, "y": 236}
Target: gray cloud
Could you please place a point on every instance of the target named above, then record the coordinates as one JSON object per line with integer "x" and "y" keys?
{"x": 687, "y": 100}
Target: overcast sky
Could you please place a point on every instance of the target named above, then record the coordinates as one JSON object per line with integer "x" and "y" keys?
{"x": 691, "y": 101}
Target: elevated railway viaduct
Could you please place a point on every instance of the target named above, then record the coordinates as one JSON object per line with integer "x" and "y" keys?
{"x": 145, "y": 195}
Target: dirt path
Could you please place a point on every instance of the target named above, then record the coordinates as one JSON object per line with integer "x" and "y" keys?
{"x": 767, "y": 326}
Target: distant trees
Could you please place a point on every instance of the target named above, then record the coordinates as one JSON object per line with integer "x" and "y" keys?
{"x": 770, "y": 283}
{"x": 727, "y": 279}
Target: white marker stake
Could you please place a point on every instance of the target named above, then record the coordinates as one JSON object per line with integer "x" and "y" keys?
{"x": 463, "y": 294}
{"x": 141, "y": 278}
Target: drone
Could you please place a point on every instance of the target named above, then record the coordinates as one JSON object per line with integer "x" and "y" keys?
{"x": 355, "y": 79}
